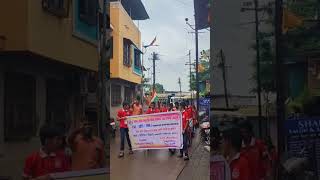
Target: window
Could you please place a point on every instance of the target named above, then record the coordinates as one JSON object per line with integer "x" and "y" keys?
{"x": 116, "y": 95}
{"x": 126, "y": 53}
{"x": 56, "y": 7}
{"x": 88, "y": 11}
{"x": 127, "y": 94}
{"x": 137, "y": 58}
{"x": 20, "y": 121}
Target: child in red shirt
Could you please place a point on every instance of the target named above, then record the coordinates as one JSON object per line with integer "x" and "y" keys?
{"x": 124, "y": 131}
{"x": 254, "y": 150}
{"x": 49, "y": 159}
{"x": 185, "y": 132}
{"x": 152, "y": 109}
{"x": 231, "y": 146}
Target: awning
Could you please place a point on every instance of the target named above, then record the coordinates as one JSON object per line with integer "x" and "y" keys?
{"x": 134, "y": 8}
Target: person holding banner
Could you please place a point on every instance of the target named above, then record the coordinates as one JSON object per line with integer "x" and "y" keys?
{"x": 152, "y": 109}
{"x": 185, "y": 131}
{"x": 124, "y": 131}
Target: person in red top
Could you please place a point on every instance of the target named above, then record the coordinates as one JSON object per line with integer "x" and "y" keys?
{"x": 255, "y": 151}
{"x": 152, "y": 109}
{"x": 40, "y": 164}
{"x": 124, "y": 131}
{"x": 185, "y": 130}
{"x": 164, "y": 107}
{"x": 231, "y": 147}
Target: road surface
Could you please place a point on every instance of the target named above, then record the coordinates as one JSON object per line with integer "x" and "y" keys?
{"x": 147, "y": 165}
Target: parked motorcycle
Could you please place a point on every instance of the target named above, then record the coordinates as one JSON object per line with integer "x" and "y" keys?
{"x": 205, "y": 130}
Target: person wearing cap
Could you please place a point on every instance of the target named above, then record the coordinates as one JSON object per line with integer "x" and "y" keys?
{"x": 87, "y": 149}
{"x": 40, "y": 164}
{"x": 254, "y": 149}
{"x": 231, "y": 148}
{"x": 124, "y": 131}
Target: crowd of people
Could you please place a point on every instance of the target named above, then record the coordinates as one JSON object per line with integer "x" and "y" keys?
{"x": 246, "y": 157}
{"x": 81, "y": 150}
{"x": 189, "y": 121}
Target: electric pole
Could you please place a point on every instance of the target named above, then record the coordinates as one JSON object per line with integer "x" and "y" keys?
{"x": 190, "y": 76}
{"x": 256, "y": 10}
{"x": 154, "y": 58}
{"x": 279, "y": 70}
{"x": 190, "y": 68}
{"x": 224, "y": 78}
{"x": 179, "y": 82}
{"x": 256, "y": 5}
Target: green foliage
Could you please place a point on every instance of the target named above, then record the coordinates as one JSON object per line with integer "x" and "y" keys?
{"x": 205, "y": 75}
{"x": 159, "y": 88}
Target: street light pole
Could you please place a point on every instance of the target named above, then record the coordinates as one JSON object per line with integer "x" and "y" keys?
{"x": 197, "y": 62}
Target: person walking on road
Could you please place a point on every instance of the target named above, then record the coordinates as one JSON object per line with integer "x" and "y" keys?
{"x": 231, "y": 147}
{"x": 136, "y": 107}
{"x": 87, "y": 149}
{"x": 124, "y": 131}
{"x": 185, "y": 131}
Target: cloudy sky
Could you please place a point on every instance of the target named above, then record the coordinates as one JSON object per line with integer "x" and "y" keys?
{"x": 167, "y": 22}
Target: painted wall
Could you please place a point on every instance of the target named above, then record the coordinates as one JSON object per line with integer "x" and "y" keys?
{"x": 13, "y": 24}
{"x": 124, "y": 27}
{"x": 28, "y": 27}
{"x": 53, "y": 37}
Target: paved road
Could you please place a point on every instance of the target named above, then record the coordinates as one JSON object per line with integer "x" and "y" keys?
{"x": 146, "y": 165}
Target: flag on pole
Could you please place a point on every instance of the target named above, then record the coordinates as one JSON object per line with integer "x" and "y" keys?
{"x": 153, "y": 41}
{"x": 154, "y": 97}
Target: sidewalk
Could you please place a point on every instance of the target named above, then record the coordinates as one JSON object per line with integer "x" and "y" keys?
{"x": 198, "y": 166}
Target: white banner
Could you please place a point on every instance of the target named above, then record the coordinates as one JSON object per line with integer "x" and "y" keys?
{"x": 156, "y": 131}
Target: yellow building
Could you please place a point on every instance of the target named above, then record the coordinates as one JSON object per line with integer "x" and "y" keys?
{"x": 48, "y": 65}
{"x": 125, "y": 65}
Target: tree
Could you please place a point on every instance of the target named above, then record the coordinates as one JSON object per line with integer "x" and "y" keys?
{"x": 204, "y": 75}
{"x": 159, "y": 88}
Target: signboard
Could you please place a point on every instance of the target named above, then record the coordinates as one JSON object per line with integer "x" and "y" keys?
{"x": 303, "y": 134}
{"x": 156, "y": 131}
{"x": 204, "y": 106}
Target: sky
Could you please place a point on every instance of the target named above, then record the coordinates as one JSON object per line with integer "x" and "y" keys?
{"x": 167, "y": 23}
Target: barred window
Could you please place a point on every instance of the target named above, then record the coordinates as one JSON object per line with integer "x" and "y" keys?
{"x": 126, "y": 53}
{"x": 116, "y": 95}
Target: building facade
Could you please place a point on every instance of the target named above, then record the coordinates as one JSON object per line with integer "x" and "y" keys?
{"x": 48, "y": 72}
{"x": 125, "y": 65}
